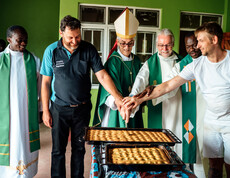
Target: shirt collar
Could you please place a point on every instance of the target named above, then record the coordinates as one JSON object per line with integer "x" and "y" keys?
{"x": 8, "y": 50}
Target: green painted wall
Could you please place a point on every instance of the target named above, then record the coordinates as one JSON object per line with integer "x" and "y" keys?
{"x": 170, "y": 10}
{"x": 226, "y": 24}
{"x": 39, "y": 17}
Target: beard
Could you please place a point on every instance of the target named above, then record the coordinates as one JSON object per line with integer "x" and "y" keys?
{"x": 165, "y": 53}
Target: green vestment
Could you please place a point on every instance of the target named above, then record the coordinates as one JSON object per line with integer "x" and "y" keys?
{"x": 31, "y": 77}
{"x": 188, "y": 116}
{"x": 119, "y": 71}
{"x": 155, "y": 78}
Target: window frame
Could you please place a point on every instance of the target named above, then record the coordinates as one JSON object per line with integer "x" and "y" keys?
{"x": 182, "y": 30}
{"x": 107, "y": 27}
{"x": 201, "y": 14}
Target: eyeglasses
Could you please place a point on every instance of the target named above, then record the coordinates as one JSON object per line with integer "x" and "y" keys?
{"x": 194, "y": 46}
{"x": 166, "y": 45}
{"x": 129, "y": 44}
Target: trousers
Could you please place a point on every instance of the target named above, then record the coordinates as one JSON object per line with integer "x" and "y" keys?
{"x": 64, "y": 119}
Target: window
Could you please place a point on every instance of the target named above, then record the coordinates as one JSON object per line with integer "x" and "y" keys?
{"x": 92, "y": 14}
{"x": 190, "y": 21}
{"x": 98, "y": 29}
{"x": 148, "y": 18}
{"x": 145, "y": 44}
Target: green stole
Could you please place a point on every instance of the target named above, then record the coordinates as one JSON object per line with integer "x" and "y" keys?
{"x": 188, "y": 116}
{"x": 123, "y": 81}
{"x": 30, "y": 66}
{"x": 155, "y": 78}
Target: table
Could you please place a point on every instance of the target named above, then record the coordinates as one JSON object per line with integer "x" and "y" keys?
{"x": 98, "y": 171}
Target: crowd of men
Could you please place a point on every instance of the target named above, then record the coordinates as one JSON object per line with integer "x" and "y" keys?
{"x": 175, "y": 100}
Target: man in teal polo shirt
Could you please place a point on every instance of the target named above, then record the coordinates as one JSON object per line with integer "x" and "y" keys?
{"x": 66, "y": 70}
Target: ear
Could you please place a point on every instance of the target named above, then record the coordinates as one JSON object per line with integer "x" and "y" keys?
{"x": 61, "y": 33}
{"x": 8, "y": 39}
{"x": 215, "y": 39}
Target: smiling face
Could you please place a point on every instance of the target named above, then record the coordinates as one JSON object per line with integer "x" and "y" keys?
{"x": 18, "y": 41}
{"x": 165, "y": 45}
{"x": 205, "y": 43}
{"x": 125, "y": 46}
{"x": 71, "y": 38}
{"x": 191, "y": 46}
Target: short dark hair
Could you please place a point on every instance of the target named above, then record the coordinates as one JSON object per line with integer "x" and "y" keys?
{"x": 71, "y": 22}
{"x": 189, "y": 34}
{"x": 14, "y": 29}
{"x": 211, "y": 28}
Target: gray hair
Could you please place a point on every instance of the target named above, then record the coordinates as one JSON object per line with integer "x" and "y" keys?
{"x": 119, "y": 38}
{"x": 166, "y": 32}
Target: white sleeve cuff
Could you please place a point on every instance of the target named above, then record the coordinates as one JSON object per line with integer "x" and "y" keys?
{"x": 110, "y": 102}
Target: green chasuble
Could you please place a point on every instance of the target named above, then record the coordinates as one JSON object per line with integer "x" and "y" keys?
{"x": 123, "y": 74}
{"x": 155, "y": 78}
{"x": 188, "y": 116}
{"x": 31, "y": 77}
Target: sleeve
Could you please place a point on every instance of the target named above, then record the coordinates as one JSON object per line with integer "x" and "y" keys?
{"x": 110, "y": 102}
{"x": 46, "y": 68}
{"x": 175, "y": 71}
{"x": 96, "y": 63}
{"x": 188, "y": 73}
{"x": 142, "y": 80}
{"x": 140, "y": 83}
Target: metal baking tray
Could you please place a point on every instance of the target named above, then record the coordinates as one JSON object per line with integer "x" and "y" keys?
{"x": 174, "y": 161}
{"x": 172, "y": 137}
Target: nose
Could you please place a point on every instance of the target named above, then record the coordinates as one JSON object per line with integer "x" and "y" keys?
{"x": 74, "y": 41}
{"x": 165, "y": 47}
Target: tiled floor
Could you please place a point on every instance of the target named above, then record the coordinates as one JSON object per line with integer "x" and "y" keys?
{"x": 45, "y": 155}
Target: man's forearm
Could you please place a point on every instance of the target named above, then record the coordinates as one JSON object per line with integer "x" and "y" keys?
{"x": 165, "y": 87}
{"x": 107, "y": 82}
{"x": 111, "y": 88}
{"x": 45, "y": 95}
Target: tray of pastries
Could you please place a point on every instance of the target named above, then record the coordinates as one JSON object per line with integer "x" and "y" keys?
{"x": 99, "y": 135}
{"x": 127, "y": 157}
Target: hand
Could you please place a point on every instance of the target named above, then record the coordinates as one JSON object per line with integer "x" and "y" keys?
{"x": 149, "y": 89}
{"x": 119, "y": 103}
{"x": 125, "y": 113}
{"x": 131, "y": 102}
{"x": 47, "y": 119}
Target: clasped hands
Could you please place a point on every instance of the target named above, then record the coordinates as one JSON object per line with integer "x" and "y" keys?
{"x": 130, "y": 103}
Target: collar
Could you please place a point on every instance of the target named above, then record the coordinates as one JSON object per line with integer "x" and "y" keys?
{"x": 125, "y": 58}
{"x": 9, "y": 51}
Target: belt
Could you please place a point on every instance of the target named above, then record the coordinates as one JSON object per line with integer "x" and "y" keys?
{"x": 76, "y": 105}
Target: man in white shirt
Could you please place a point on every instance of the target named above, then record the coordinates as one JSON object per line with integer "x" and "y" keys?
{"x": 211, "y": 72}
{"x": 189, "y": 127}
